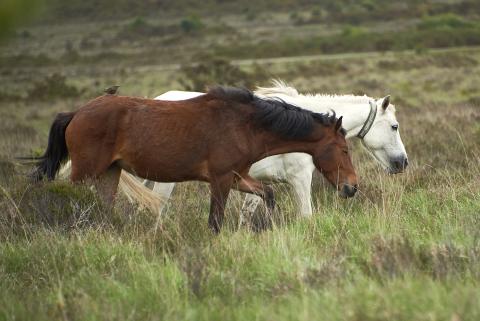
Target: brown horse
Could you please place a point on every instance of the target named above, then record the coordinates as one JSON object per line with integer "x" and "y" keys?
{"x": 214, "y": 138}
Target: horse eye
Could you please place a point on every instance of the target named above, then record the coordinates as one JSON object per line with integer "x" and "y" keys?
{"x": 345, "y": 151}
{"x": 395, "y": 127}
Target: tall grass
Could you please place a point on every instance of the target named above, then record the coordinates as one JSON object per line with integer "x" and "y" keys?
{"x": 401, "y": 251}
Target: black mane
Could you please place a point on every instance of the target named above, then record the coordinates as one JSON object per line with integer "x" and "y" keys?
{"x": 275, "y": 114}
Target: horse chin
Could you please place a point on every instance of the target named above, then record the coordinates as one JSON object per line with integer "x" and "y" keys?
{"x": 342, "y": 194}
{"x": 387, "y": 167}
{"x": 347, "y": 191}
{"x": 393, "y": 171}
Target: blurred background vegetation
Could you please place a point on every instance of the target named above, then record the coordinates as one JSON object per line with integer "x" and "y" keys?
{"x": 207, "y": 42}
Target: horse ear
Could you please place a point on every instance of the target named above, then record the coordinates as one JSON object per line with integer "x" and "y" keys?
{"x": 386, "y": 102}
{"x": 338, "y": 125}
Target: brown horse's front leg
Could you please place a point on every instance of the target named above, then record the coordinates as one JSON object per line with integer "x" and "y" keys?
{"x": 219, "y": 189}
{"x": 250, "y": 185}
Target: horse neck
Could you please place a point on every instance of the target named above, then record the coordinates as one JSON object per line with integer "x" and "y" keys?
{"x": 354, "y": 117}
{"x": 272, "y": 144}
{"x": 354, "y": 109}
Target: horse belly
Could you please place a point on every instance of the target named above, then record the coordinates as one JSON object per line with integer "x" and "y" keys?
{"x": 164, "y": 167}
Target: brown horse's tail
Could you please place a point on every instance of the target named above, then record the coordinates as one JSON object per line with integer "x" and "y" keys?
{"x": 57, "y": 152}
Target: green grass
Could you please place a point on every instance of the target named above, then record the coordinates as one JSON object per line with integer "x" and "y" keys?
{"x": 418, "y": 260}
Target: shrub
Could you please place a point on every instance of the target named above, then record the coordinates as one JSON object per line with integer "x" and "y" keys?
{"x": 53, "y": 86}
{"x": 444, "y": 21}
{"x": 58, "y": 205}
{"x": 191, "y": 24}
{"x": 250, "y": 14}
{"x": 139, "y": 27}
{"x": 213, "y": 70}
{"x": 352, "y": 31}
{"x": 138, "y": 23}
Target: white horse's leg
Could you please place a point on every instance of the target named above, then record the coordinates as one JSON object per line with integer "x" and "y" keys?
{"x": 249, "y": 206}
{"x": 164, "y": 189}
{"x": 302, "y": 187}
{"x": 267, "y": 170}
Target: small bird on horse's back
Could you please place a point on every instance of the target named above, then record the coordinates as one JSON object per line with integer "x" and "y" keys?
{"x": 111, "y": 90}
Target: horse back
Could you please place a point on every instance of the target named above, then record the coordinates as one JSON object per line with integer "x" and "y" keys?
{"x": 156, "y": 138}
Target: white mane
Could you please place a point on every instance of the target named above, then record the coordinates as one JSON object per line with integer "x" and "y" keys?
{"x": 282, "y": 88}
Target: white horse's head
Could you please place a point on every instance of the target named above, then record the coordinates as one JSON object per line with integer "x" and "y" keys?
{"x": 383, "y": 139}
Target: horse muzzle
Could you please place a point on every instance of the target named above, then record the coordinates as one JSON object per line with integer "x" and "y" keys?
{"x": 398, "y": 164}
{"x": 348, "y": 190}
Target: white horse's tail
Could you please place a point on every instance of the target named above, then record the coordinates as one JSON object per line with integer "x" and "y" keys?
{"x": 137, "y": 192}
{"x": 133, "y": 189}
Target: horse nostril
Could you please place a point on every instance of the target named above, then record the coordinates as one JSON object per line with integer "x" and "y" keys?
{"x": 355, "y": 187}
{"x": 348, "y": 190}
{"x": 405, "y": 163}
{"x": 397, "y": 164}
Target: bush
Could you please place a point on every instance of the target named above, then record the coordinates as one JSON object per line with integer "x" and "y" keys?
{"x": 352, "y": 31}
{"x": 54, "y": 86}
{"x": 213, "y": 70}
{"x": 57, "y": 205}
{"x": 191, "y": 24}
{"x": 139, "y": 27}
{"x": 444, "y": 21}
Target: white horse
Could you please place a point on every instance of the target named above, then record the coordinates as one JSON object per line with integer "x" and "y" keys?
{"x": 371, "y": 120}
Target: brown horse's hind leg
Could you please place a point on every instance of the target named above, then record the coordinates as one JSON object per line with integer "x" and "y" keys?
{"x": 219, "y": 189}
{"x": 250, "y": 185}
{"x": 104, "y": 175}
{"x": 107, "y": 183}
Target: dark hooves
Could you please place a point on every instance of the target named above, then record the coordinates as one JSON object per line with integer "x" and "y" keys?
{"x": 261, "y": 223}
{"x": 264, "y": 221}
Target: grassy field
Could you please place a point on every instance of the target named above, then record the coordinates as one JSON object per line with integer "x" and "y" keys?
{"x": 407, "y": 247}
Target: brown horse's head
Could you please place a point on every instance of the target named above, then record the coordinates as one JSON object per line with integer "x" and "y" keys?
{"x": 332, "y": 158}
